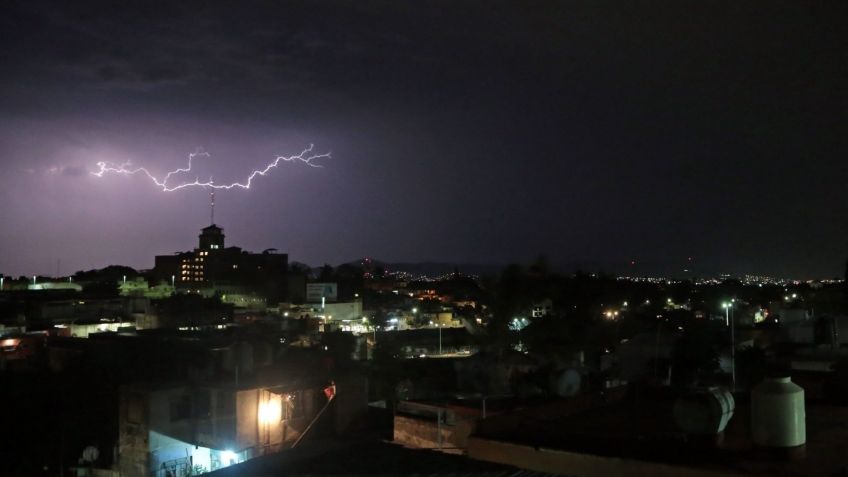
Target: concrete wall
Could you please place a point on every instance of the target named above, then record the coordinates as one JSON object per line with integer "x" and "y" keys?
{"x": 247, "y": 406}
{"x": 267, "y": 422}
{"x": 425, "y": 433}
{"x": 249, "y": 422}
{"x": 348, "y": 310}
{"x": 133, "y": 434}
{"x": 351, "y": 406}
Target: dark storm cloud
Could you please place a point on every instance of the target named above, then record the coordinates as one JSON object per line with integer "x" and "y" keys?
{"x": 67, "y": 171}
{"x": 464, "y": 131}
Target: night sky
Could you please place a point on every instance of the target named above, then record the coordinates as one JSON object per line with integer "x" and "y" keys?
{"x": 470, "y": 132}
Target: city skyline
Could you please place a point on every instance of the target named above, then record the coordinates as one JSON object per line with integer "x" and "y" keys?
{"x": 490, "y": 133}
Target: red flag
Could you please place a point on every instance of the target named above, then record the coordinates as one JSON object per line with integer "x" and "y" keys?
{"x": 330, "y": 391}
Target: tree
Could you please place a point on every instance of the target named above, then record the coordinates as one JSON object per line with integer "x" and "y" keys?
{"x": 695, "y": 356}
{"x": 326, "y": 274}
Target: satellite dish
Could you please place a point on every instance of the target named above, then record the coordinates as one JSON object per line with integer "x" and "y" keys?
{"x": 90, "y": 454}
{"x": 567, "y": 383}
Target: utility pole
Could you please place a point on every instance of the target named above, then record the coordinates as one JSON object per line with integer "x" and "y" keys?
{"x": 728, "y": 316}
{"x": 732, "y": 351}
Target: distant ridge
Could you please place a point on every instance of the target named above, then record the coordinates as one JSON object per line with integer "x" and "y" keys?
{"x": 672, "y": 269}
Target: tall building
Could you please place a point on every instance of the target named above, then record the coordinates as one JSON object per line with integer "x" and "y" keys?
{"x": 212, "y": 238}
{"x": 214, "y": 266}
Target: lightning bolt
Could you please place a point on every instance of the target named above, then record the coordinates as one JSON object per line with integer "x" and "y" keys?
{"x": 307, "y": 156}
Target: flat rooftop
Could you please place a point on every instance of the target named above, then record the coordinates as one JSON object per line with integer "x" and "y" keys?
{"x": 641, "y": 427}
{"x": 367, "y": 456}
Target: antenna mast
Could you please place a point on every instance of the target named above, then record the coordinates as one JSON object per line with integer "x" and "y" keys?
{"x": 212, "y": 207}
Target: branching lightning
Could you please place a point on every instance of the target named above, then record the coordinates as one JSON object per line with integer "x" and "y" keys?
{"x": 307, "y": 156}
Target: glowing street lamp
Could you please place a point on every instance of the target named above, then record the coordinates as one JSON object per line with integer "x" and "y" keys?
{"x": 270, "y": 411}
{"x": 373, "y": 328}
{"x": 228, "y": 457}
{"x": 727, "y": 316}
{"x": 269, "y": 414}
{"x": 611, "y": 314}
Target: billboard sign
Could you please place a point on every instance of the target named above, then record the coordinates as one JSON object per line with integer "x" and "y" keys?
{"x": 316, "y": 291}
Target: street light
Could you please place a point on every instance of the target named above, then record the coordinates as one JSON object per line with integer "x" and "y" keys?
{"x": 727, "y": 316}
{"x": 373, "y": 329}
{"x": 270, "y": 411}
{"x": 439, "y": 326}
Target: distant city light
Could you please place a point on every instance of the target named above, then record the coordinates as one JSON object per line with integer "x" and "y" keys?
{"x": 611, "y": 314}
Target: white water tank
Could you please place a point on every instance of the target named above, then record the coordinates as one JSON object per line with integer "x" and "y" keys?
{"x": 778, "y": 418}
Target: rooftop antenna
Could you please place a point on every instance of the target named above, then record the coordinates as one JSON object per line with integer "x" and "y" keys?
{"x": 212, "y": 206}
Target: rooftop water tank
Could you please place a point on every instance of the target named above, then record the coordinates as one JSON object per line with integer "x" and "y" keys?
{"x": 566, "y": 383}
{"x": 778, "y": 418}
{"x": 704, "y": 411}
